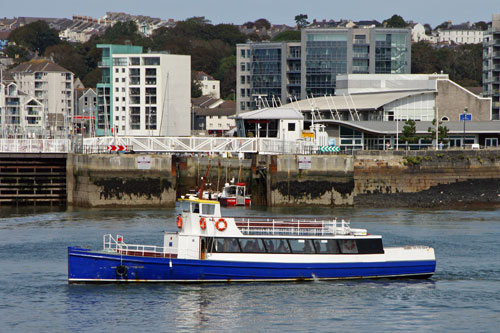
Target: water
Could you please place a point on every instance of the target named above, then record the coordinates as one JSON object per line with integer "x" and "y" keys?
{"x": 464, "y": 295}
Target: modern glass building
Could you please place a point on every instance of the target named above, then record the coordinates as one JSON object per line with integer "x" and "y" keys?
{"x": 285, "y": 71}
{"x": 104, "y": 118}
{"x": 491, "y": 66}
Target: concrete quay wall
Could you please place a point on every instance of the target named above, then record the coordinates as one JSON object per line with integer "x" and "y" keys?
{"x": 454, "y": 178}
{"x": 376, "y": 179}
{"x": 116, "y": 181}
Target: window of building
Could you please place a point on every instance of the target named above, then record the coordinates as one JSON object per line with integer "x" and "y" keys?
{"x": 242, "y": 66}
{"x": 123, "y": 70}
{"x": 242, "y": 53}
{"x": 117, "y": 118}
{"x": 117, "y": 70}
{"x": 242, "y": 93}
{"x": 117, "y": 89}
{"x": 291, "y": 127}
{"x": 151, "y": 61}
{"x": 117, "y": 99}
{"x": 242, "y": 79}
{"x": 135, "y": 61}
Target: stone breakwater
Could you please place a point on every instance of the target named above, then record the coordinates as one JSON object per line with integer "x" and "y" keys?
{"x": 449, "y": 179}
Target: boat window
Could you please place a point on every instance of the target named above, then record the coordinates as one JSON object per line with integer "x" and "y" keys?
{"x": 207, "y": 209}
{"x": 348, "y": 246}
{"x": 185, "y": 206}
{"x": 301, "y": 245}
{"x": 226, "y": 245}
{"x": 241, "y": 191}
{"x": 327, "y": 246}
{"x": 252, "y": 245}
{"x": 196, "y": 207}
{"x": 370, "y": 246}
{"x": 277, "y": 245}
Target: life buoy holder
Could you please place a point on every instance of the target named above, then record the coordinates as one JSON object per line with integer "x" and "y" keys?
{"x": 219, "y": 227}
{"x": 203, "y": 223}
{"x": 121, "y": 270}
{"x": 179, "y": 221}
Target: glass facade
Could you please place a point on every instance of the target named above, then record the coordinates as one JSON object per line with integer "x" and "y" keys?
{"x": 326, "y": 56}
{"x": 390, "y": 53}
{"x": 265, "y": 69}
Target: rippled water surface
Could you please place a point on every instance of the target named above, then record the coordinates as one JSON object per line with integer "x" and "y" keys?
{"x": 464, "y": 295}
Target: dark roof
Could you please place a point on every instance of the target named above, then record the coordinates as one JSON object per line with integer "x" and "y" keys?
{"x": 81, "y": 91}
{"x": 228, "y": 105}
{"x": 202, "y": 75}
{"x": 204, "y": 101}
{"x": 215, "y": 112}
{"x": 39, "y": 65}
{"x": 372, "y": 22}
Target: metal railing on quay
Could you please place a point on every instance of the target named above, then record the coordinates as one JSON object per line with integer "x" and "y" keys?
{"x": 35, "y": 145}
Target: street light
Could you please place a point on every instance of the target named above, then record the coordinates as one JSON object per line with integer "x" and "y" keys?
{"x": 463, "y": 139}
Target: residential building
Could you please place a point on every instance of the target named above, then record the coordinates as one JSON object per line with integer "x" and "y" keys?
{"x": 211, "y": 116}
{"x": 491, "y": 65}
{"x": 143, "y": 94}
{"x": 270, "y": 74}
{"x": 209, "y": 85}
{"x": 460, "y": 34}
{"x": 418, "y": 34}
{"x": 86, "y": 106}
{"x": 40, "y": 99}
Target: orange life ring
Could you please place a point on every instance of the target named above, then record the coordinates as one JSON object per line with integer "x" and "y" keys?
{"x": 203, "y": 223}
{"x": 179, "y": 221}
{"x": 224, "y": 224}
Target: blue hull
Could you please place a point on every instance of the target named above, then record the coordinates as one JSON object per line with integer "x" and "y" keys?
{"x": 88, "y": 266}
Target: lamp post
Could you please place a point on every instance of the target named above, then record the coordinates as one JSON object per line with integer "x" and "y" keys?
{"x": 463, "y": 138}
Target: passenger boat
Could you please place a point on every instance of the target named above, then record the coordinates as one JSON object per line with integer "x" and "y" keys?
{"x": 208, "y": 248}
{"x": 235, "y": 195}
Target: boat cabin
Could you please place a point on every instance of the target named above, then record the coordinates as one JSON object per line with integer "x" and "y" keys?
{"x": 205, "y": 234}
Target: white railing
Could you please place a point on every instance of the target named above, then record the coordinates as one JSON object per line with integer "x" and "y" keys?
{"x": 119, "y": 246}
{"x": 200, "y": 145}
{"x": 295, "y": 227}
{"x": 35, "y": 146}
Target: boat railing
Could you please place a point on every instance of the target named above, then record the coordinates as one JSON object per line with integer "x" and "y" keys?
{"x": 119, "y": 246}
{"x": 292, "y": 226}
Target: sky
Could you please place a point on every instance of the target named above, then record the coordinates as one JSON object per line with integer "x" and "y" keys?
{"x": 433, "y": 12}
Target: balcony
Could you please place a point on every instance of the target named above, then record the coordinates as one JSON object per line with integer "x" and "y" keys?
{"x": 105, "y": 63}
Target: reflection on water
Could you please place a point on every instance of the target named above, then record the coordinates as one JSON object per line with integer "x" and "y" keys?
{"x": 463, "y": 295}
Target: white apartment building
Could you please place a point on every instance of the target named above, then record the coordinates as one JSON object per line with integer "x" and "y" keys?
{"x": 460, "y": 34}
{"x": 150, "y": 94}
{"x": 209, "y": 86}
{"x": 38, "y": 101}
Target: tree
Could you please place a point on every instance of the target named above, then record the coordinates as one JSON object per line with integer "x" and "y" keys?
{"x": 301, "y": 21}
{"x": 262, "y": 23}
{"x": 409, "y": 132}
{"x": 195, "y": 86}
{"x": 19, "y": 54}
{"x": 442, "y": 132}
{"x": 481, "y": 25}
{"x": 443, "y": 25}
{"x": 428, "y": 29}
{"x": 35, "y": 37}
{"x": 289, "y": 35}
{"x": 395, "y": 21}
{"x": 68, "y": 57}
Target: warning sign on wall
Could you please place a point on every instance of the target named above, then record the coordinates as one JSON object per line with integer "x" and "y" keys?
{"x": 304, "y": 162}
{"x": 144, "y": 162}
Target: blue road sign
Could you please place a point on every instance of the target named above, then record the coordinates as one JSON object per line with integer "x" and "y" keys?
{"x": 465, "y": 117}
